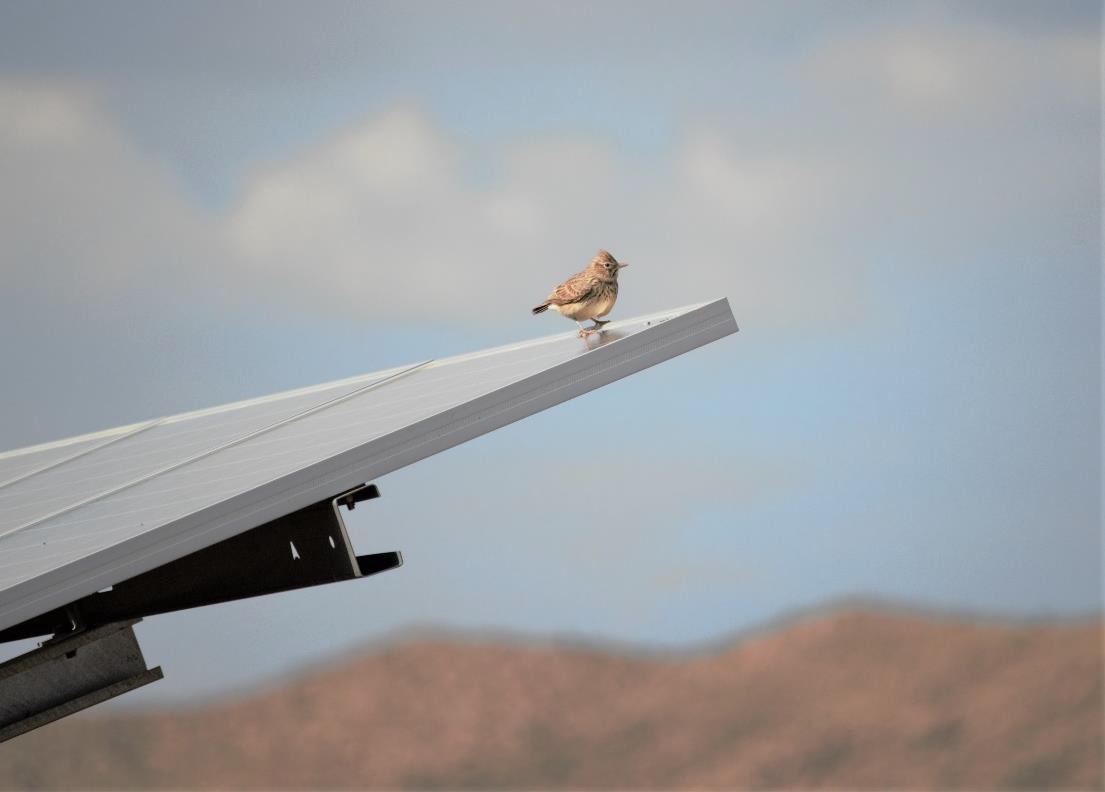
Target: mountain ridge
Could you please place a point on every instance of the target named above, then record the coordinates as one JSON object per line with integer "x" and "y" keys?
{"x": 853, "y": 696}
{"x": 429, "y": 632}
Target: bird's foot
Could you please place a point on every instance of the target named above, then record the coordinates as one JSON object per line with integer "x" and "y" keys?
{"x": 585, "y": 332}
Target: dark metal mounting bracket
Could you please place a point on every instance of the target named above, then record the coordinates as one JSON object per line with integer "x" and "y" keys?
{"x": 308, "y": 547}
{"x": 68, "y": 674}
{"x": 94, "y": 655}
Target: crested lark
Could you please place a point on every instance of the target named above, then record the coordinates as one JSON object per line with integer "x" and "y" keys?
{"x": 587, "y": 295}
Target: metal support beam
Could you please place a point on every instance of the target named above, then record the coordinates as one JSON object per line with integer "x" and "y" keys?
{"x": 94, "y": 655}
{"x": 308, "y": 547}
{"x": 68, "y": 674}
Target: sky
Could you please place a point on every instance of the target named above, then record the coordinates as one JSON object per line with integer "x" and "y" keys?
{"x": 206, "y": 202}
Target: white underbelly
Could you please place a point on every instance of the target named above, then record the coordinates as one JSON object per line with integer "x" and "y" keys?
{"x": 582, "y": 311}
{"x": 604, "y": 304}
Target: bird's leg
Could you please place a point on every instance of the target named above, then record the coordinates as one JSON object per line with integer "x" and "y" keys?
{"x": 598, "y": 325}
{"x": 585, "y": 331}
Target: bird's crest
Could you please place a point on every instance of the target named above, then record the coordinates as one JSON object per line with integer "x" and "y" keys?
{"x": 601, "y": 258}
{"x": 604, "y": 265}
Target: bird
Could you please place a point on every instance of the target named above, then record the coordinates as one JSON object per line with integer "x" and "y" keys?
{"x": 589, "y": 294}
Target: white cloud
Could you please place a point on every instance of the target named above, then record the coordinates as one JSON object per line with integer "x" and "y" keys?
{"x": 928, "y": 140}
{"x": 948, "y": 75}
{"x": 419, "y": 241}
{"x": 84, "y": 213}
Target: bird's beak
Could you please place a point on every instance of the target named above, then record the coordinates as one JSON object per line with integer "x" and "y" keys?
{"x": 623, "y": 264}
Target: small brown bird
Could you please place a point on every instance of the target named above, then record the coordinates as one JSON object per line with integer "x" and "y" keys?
{"x": 587, "y": 295}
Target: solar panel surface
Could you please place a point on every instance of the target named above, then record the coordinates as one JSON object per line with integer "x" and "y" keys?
{"x": 82, "y": 514}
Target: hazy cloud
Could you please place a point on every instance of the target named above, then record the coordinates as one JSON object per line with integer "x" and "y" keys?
{"x": 89, "y": 222}
{"x": 936, "y": 141}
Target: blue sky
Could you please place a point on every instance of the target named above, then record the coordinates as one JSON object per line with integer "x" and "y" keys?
{"x": 206, "y": 202}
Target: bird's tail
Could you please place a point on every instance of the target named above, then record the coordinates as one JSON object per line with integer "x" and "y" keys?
{"x": 541, "y": 308}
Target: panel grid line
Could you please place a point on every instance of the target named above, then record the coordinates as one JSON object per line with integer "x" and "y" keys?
{"x": 152, "y": 450}
{"x": 59, "y": 462}
{"x": 209, "y": 452}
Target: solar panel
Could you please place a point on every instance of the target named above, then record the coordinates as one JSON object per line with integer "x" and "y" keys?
{"x": 82, "y": 514}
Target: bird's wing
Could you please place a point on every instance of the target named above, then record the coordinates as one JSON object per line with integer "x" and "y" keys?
{"x": 578, "y": 288}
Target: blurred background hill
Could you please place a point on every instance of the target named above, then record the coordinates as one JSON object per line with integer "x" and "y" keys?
{"x": 856, "y": 697}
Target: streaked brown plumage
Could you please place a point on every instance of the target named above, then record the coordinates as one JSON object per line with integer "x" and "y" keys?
{"x": 587, "y": 295}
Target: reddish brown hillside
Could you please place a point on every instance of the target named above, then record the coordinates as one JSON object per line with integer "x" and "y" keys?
{"x": 855, "y": 699}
